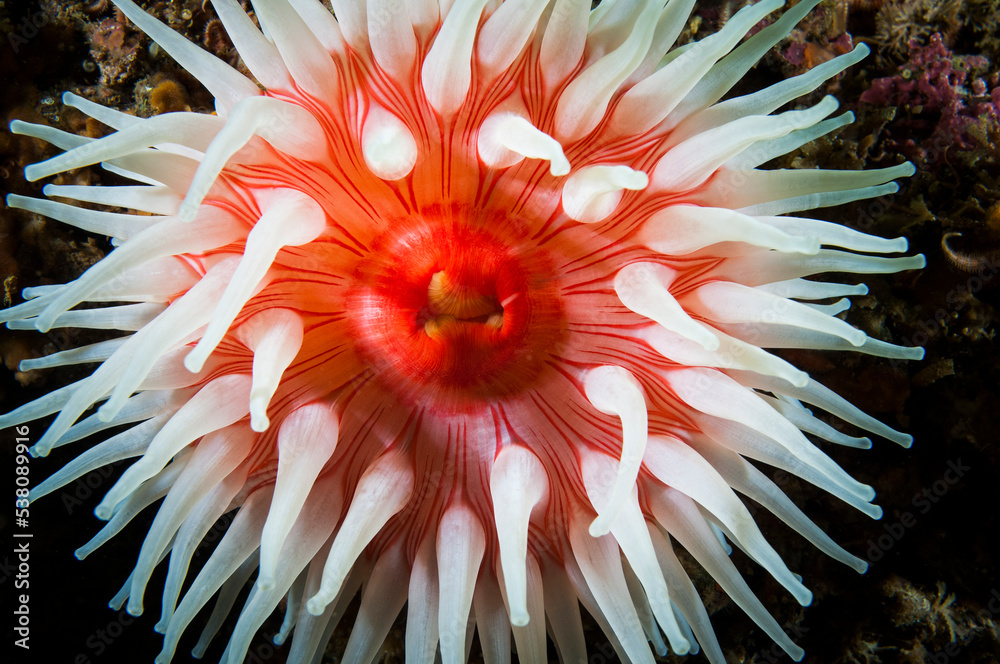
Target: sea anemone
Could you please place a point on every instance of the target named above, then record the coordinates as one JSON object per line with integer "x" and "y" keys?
{"x": 460, "y": 305}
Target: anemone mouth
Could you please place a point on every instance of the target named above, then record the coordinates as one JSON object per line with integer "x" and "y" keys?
{"x": 456, "y": 307}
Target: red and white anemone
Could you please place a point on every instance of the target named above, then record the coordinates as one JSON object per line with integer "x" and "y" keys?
{"x": 461, "y": 304}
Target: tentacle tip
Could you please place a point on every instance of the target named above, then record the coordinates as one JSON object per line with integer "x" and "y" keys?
{"x": 861, "y": 566}
{"x": 134, "y": 609}
{"x": 194, "y": 361}
{"x": 600, "y": 527}
{"x": 39, "y": 450}
{"x": 810, "y": 246}
{"x": 830, "y": 100}
{"x": 900, "y": 245}
{"x": 519, "y": 618}
{"x": 908, "y": 169}
{"x": 876, "y": 512}
{"x": 279, "y": 639}
{"x": 863, "y": 49}
{"x": 161, "y": 627}
{"x": 682, "y": 647}
{"x": 80, "y": 553}
{"x": 266, "y": 583}
{"x": 906, "y": 441}
{"x": 709, "y": 342}
{"x": 187, "y": 212}
{"x": 34, "y": 173}
{"x": 107, "y": 412}
{"x": 316, "y": 605}
{"x": 921, "y": 260}
{"x": 259, "y": 422}
{"x": 103, "y": 512}
{"x": 864, "y": 443}
{"x": 799, "y": 379}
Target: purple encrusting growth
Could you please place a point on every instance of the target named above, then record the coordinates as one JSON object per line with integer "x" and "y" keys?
{"x": 934, "y": 91}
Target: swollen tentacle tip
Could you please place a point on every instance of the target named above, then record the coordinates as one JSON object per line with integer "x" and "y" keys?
{"x": 798, "y": 378}
{"x": 80, "y": 553}
{"x": 188, "y": 211}
{"x": 195, "y": 360}
{"x": 388, "y": 146}
{"x": 34, "y": 172}
{"x": 111, "y": 408}
{"x": 809, "y": 246}
{"x": 316, "y": 605}
{"x": 519, "y": 618}
{"x": 906, "y": 440}
{"x": 600, "y": 526}
{"x": 592, "y": 193}
{"x": 259, "y": 421}
{"x": 265, "y": 583}
{"x": 134, "y": 608}
{"x": 44, "y": 323}
{"x": 856, "y": 338}
{"x": 866, "y": 492}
